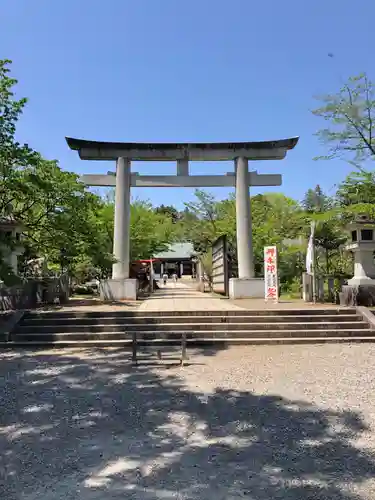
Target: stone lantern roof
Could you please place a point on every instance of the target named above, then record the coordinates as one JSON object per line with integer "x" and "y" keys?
{"x": 362, "y": 221}
{"x": 362, "y": 233}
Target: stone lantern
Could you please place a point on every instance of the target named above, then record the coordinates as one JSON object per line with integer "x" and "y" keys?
{"x": 362, "y": 245}
{"x": 10, "y": 230}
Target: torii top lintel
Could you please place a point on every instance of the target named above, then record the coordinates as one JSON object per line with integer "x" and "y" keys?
{"x": 207, "y": 151}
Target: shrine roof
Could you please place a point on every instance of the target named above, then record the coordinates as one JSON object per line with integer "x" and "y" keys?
{"x": 177, "y": 251}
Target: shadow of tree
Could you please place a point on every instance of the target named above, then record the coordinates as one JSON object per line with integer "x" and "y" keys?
{"x": 88, "y": 425}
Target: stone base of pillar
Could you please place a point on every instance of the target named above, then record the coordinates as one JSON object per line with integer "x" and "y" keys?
{"x": 307, "y": 287}
{"x": 246, "y": 288}
{"x": 360, "y": 281}
{"x": 118, "y": 289}
{"x": 358, "y": 295}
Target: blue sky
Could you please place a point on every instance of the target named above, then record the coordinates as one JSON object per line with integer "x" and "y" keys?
{"x": 167, "y": 70}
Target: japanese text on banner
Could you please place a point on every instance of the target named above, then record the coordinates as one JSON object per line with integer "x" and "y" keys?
{"x": 270, "y": 274}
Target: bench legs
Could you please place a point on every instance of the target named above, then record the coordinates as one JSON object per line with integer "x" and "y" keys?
{"x": 183, "y": 357}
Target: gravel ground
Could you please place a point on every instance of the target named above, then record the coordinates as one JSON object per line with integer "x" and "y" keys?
{"x": 290, "y": 422}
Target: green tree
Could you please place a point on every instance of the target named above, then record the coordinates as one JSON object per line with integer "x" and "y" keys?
{"x": 329, "y": 232}
{"x": 13, "y": 158}
{"x": 169, "y": 211}
{"x": 200, "y": 220}
{"x": 315, "y": 201}
{"x": 55, "y": 210}
{"x": 276, "y": 220}
{"x": 350, "y": 114}
{"x": 12, "y": 154}
{"x": 329, "y": 236}
{"x": 151, "y": 232}
{"x": 358, "y": 188}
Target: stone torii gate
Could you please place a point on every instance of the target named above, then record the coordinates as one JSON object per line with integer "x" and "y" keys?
{"x": 121, "y": 286}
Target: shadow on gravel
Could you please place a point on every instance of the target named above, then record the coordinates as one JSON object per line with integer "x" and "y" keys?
{"x": 88, "y": 425}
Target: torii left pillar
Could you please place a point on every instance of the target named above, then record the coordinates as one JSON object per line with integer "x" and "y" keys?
{"x": 246, "y": 285}
{"x": 121, "y": 287}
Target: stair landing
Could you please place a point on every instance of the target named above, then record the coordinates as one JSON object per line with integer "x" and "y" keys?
{"x": 182, "y": 297}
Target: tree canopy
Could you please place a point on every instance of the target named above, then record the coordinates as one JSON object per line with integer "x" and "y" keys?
{"x": 350, "y": 117}
{"x": 60, "y": 218}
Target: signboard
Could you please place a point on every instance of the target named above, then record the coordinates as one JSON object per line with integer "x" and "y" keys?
{"x": 270, "y": 274}
{"x": 220, "y": 274}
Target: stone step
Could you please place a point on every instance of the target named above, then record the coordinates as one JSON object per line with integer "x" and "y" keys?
{"x": 155, "y": 314}
{"x": 176, "y": 336}
{"x": 124, "y": 320}
{"x": 198, "y": 341}
{"x": 178, "y": 327}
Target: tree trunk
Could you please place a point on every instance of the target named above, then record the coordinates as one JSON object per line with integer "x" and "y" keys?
{"x": 327, "y": 261}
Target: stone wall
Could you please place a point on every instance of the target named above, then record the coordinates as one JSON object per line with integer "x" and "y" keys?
{"x": 35, "y": 293}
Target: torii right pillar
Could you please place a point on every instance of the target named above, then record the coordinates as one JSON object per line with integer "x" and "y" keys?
{"x": 246, "y": 285}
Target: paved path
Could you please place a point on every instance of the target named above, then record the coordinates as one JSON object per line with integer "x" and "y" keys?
{"x": 182, "y": 297}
